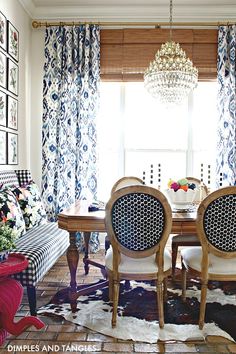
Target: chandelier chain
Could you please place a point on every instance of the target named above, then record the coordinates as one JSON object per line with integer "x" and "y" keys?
{"x": 171, "y": 76}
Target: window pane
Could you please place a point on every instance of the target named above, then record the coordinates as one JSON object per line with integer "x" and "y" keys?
{"x": 152, "y": 126}
{"x": 110, "y": 138}
{"x": 205, "y": 117}
{"x": 204, "y": 127}
{"x": 165, "y": 165}
{"x": 135, "y": 132}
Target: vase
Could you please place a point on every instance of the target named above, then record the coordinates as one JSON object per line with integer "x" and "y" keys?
{"x": 180, "y": 199}
{"x": 4, "y": 255}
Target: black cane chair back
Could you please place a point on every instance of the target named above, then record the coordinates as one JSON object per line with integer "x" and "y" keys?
{"x": 138, "y": 221}
{"x": 219, "y": 221}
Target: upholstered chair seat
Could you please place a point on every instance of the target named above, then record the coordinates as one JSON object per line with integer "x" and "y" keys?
{"x": 144, "y": 265}
{"x": 192, "y": 258}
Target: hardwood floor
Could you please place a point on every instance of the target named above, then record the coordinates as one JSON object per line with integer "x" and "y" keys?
{"x": 60, "y": 336}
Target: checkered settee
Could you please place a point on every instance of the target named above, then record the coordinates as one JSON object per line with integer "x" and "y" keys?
{"x": 41, "y": 245}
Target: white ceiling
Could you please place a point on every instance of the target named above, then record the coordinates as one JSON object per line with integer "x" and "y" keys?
{"x": 132, "y": 10}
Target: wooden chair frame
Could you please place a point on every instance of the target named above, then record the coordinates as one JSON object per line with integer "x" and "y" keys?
{"x": 207, "y": 248}
{"x": 115, "y": 276}
{"x": 125, "y": 182}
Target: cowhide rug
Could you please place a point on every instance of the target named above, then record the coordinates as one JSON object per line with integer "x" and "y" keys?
{"x": 137, "y": 313}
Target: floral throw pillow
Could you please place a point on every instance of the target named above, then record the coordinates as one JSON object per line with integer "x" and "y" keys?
{"x": 10, "y": 212}
{"x": 30, "y": 202}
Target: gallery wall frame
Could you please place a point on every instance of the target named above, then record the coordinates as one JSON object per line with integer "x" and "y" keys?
{"x": 3, "y": 147}
{"x": 9, "y": 90}
{"x": 3, "y": 109}
{"x": 3, "y": 31}
{"x": 12, "y": 112}
{"x": 12, "y": 148}
{"x": 12, "y": 41}
{"x": 12, "y": 76}
{"x": 3, "y": 70}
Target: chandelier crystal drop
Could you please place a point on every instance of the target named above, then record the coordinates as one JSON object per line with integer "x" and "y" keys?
{"x": 171, "y": 76}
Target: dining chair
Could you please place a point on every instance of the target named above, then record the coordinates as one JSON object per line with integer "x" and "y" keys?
{"x": 125, "y": 182}
{"x": 216, "y": 258}
{"x": 180, "y": 240}
{"x": 120, "y": 183}
{"x": 138, "y": 221}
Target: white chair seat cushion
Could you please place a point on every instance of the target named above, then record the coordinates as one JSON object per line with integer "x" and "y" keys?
{"x": 192, "y": 257}
{"x": 137, "y": 265}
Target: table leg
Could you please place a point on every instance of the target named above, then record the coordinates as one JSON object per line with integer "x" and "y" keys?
{"x": 86, "y": 251}
{"x": 73, "y": 260}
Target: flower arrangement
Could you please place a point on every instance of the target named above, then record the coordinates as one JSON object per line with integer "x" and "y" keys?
{"x": 7, "y": 237}
{"x": 181, "y": 184}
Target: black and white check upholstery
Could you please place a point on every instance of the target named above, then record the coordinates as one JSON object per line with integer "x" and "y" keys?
{"x": 41, "y": 245}
{"x": 24, "y": 176}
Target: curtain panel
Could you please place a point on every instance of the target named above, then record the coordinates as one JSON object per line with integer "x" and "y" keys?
{"x": 226, "y": 134}
{"x": 70, "y": 102}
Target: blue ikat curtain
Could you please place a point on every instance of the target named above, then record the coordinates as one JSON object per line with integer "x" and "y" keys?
{"x": 226, "y": 144}
{"x": 70, "y": 102}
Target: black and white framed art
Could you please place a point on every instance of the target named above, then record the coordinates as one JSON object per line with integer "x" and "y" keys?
{"x": 3, "y": 70}
{"x": 3, "y": 147}
{"x": 12, "y": 148}
{"x": 12, "y": 76}
{"x": 13, "y": 41}
{"x": 3, "y": 108}
{"x": 12, "y": 112}
{"x": 3, "y": 31}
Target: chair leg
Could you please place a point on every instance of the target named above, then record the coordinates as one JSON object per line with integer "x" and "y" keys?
{"x": 159, "y": 289}
{"x": 165, "y": 289}
{"x": 110, "y": 287}
{"x": 183, "y": 282}
{"x": 203, "y": 303}
{"x": 31, "y": 293}
{"x": 116, "y": 288}
{"x": 174, "y": 249}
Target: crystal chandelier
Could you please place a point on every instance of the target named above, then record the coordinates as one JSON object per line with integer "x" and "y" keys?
{"x": 171, "y": 76}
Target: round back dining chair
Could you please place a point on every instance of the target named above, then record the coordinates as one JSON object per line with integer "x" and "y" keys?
{"x": 216, "y": 230}
{"x": 125, "y": 182}
{"x": 138, "y": 222}
{"x": 202, "y": 190}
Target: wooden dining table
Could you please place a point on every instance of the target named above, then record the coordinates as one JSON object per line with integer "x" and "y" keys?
{"x": 77, "y": 218}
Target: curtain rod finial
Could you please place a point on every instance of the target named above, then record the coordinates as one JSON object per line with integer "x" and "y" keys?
{"x": 35, "y": 24}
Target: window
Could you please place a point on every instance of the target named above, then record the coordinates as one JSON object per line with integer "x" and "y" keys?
{"x": 135, "y": 132}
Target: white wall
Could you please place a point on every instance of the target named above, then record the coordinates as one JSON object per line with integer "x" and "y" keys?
{"x": 37, "y": 62}
{"x": 19, "y": 18}
{"x": 31, "y": 60}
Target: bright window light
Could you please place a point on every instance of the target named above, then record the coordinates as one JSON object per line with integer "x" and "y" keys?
{"x": 135, "y": 132}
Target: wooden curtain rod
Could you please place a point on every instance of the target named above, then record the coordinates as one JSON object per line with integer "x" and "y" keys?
{"x": 37, "y": 24}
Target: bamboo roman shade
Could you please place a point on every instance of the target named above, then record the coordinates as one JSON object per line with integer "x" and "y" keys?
{"x": 126, "y": 53}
